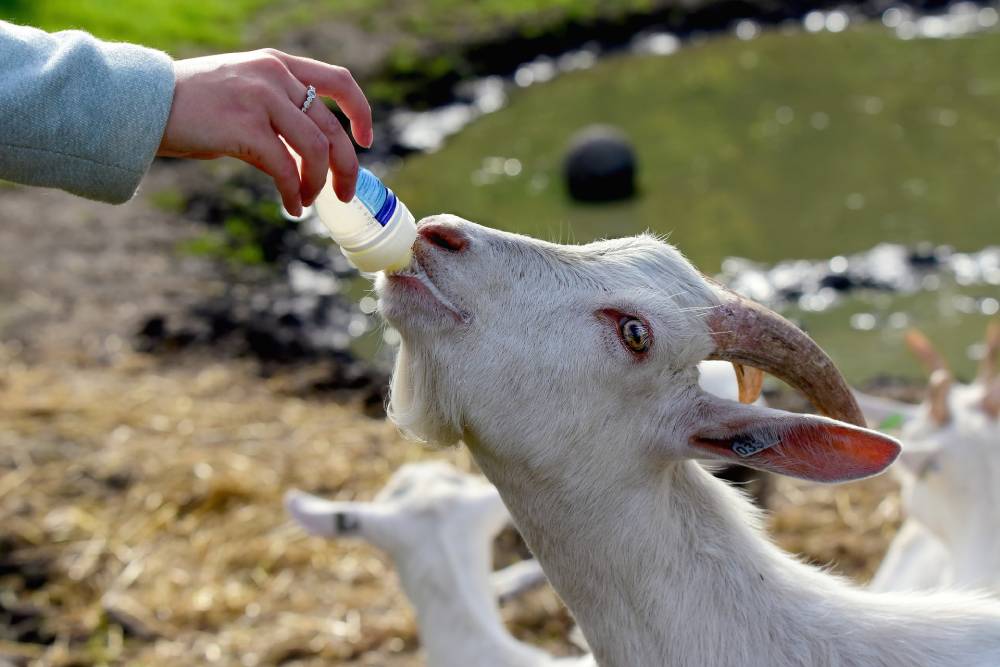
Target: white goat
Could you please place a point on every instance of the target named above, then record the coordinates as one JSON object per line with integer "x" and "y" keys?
{"x": 570, "y": 373}
{"x": 437, "y": 524}
{"x": 950, "y": 476}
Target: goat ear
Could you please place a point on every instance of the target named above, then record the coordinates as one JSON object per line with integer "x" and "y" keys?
{"x": 327, "y": 518}
{"x": 803, "y": 446}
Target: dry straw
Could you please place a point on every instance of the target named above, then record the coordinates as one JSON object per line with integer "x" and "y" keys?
{"x": 141, "y": 522}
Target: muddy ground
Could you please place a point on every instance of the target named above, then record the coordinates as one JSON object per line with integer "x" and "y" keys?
{"x": 140, "y": 495}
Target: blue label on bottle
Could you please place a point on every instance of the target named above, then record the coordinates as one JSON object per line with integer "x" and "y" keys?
{"x": 377, "y": 198}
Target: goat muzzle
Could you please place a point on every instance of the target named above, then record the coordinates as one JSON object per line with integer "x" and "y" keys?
{"x": 747, "y": 333}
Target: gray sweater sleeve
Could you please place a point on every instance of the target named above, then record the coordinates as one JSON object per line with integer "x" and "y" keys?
{"x": 79, "y": 114}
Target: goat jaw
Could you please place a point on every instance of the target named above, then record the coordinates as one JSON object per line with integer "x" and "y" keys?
{"x": 746, "y": 332}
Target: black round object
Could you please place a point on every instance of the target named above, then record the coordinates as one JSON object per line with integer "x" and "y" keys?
{"x": 841, "y": 282}
{"x": 600, "y": 165}
{"x": 924, "y": 255}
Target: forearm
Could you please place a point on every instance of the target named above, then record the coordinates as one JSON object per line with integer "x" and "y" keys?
{"x": 79, "y": 114}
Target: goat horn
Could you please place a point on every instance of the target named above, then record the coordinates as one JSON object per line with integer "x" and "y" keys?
{"x": 988, "y": 364}
{"x": 750, "y": 381}
{"x": 924, "y": 351}
{"x": 991, "y": 399}
{"x": 937, "y": 396}
{"x": 746, "y": 332}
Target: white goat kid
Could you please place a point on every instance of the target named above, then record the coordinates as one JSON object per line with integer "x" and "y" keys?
{"x": 950, "y": 476}
{"x": 570, "y": 373}
{"x": 437, "y": 524}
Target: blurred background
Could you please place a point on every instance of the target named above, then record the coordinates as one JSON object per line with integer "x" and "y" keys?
{"x": 170, "y": 367}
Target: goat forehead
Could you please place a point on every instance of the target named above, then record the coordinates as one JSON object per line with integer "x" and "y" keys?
{"x": 639, "y": 259}
{"x": 968, "y": 420}
{"x": 430, "y": 486}
{"x": 420, "y": 479}
{"x": 968, "y": 458}
{"x": 642, "y": 262}
{"x": 632, "y": 255}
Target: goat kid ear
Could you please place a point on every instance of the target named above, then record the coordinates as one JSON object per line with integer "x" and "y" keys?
{"x": 328, "y": 518}
{"x": 804, "y": 446}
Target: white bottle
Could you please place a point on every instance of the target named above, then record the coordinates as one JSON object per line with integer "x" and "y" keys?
{"x": 375, "y": 230}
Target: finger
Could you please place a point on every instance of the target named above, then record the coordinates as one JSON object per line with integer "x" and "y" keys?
{"x": 307, "y": 140}
{"x": 270, "y": 156}
{"x": 342, "y": 158}
{"x": 336, "y": 82}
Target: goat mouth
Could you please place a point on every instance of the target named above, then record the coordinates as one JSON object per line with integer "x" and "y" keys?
{"x": 416, "y": 276}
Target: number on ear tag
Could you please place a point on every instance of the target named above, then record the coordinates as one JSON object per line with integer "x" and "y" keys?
{"x": 748, "y": 444}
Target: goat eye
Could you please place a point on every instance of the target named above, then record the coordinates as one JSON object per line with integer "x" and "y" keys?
{"x": 634, "y": 333}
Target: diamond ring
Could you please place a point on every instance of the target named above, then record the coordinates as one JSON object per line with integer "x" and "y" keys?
{"x": 310, "y": 97}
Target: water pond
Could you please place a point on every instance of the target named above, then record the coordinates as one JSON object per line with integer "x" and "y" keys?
{"x": 792, "y": 144}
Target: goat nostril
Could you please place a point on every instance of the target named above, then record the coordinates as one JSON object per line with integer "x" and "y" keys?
{"x": 448, "y": 238}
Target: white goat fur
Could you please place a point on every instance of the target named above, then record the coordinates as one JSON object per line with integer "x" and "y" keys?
{"x": 915, "y": 561}
{"x": 660, "y": 563}
{"x": 454, "y": 497}
{"x": 715, "y": 377}
{"x": 437, "y": 524}
{"x": 950, "y": 478}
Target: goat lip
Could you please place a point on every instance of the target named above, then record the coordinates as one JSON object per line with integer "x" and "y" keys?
{"x": 416, "y": 276}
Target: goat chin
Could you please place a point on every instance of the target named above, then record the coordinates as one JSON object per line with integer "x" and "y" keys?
{"x": 412, "y": 406}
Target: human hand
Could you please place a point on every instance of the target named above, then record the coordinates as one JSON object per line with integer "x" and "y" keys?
{"x": 238, "y": 104}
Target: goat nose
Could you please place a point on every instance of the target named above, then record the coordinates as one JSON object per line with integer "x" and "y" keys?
{"x": 443, "y": 235}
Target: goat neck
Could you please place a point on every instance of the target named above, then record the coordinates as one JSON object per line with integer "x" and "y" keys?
{"x": 670, "y": 567}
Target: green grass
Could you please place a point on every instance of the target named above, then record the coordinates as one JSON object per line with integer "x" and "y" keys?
{"x": 732, "y": 163}
{"x": 861, "y": 355}
{"x": 414, "y": 42}
{"x": 170, "y": 200}
{"x": 723, "y": 176}
{"x": 173, "y": 25}
{"x": 182, "y": 26}
{"x": 455, "y": 18}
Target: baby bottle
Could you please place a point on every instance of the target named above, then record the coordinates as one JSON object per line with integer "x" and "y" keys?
{"x": 375, "y": 230}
